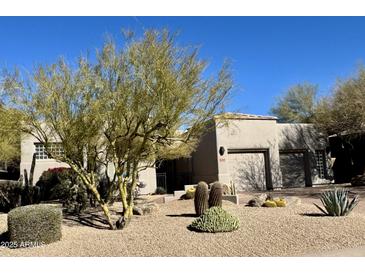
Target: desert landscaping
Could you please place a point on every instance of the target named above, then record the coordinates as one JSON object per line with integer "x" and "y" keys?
{"x": 295, "y": 230}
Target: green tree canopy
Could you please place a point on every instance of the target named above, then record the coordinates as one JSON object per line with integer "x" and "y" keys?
{"x": 142, "y": 102}
{"x": 9, "y": 135}
{"x": 343, "y": 111}
{"x": 297, "y": 105}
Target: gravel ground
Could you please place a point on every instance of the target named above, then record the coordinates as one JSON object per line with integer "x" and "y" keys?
{"x": 263, "y": 232}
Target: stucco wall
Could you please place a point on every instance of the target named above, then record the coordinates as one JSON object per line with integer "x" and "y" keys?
{"x": 147, "y": 176}
{"x": 299, "y": 136}
{"x": 27, "y": 150}
{"x": 204, "y": 159}
{"x": 248, "y": 134}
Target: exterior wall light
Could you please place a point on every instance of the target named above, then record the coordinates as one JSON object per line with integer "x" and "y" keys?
{"x": 221, "y": 151}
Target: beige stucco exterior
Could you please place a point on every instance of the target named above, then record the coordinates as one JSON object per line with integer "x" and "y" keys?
{"x": 147, "y": 176}
{"x": 256, "y": 152}
{"x": 247, "y": 140}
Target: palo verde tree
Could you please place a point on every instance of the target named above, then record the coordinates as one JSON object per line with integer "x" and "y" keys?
{"x": 59, "y": 107}
{"x": 137, "y": 104}
{"x": 297, "y": 105}
{"x": 155, "y": 104}
{"x": 9, "y": 135}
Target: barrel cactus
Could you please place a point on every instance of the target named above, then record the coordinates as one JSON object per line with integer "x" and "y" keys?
{"x": 201, "y": 198}
{"x": 215, "y": 195}
{"x": 269, "y": 203}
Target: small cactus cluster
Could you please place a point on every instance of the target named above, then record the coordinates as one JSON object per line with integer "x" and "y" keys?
{"x": 275, "y": 203}
{"x": 190, "y": 193}
{"x": 204, "y": 199}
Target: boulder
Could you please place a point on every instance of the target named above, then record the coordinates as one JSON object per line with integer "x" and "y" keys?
{"x": 258, "y": 201}
{"x": 150, "y": 208}
{"x": 145, "y": 209}
{"x": 358, "y": 180}
{"x": 137, "y": 210}
{"x": 292, "y": 201}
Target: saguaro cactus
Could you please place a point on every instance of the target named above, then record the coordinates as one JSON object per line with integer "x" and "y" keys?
{"x": 215, "y": 195}
{"x": 201, "y": 198}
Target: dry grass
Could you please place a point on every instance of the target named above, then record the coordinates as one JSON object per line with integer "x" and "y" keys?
{"x": 263, "y": 232}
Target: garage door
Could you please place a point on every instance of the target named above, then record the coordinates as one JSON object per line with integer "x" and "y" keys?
{"x": 248, "y": 169}
{"x": 294, "y": 168}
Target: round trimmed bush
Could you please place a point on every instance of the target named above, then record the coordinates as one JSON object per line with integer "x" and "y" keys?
{"x": 35, "y": 224}
{"x": 215, "y": 219}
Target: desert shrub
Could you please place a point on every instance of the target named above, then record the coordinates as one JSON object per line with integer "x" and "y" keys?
{"x": 201, "y": 198}
{"x": 190, "y": 193}
{"x": 51, "y": 178}
{"x": 160, "y": 190}
{"x": 281, "y": 202}
{"x": 215, "y": 219}
{"x": 337, "y": 202}
{"x": 63, "y": 184}
{"x": 34, "y": 224}
{"x": 10, "y": 195}
{"x": 72, "y": 194}
{"x": 269, "y": 203}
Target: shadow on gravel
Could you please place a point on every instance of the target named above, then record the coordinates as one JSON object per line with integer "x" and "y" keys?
{"x": 86, "y": 219}
{"x": 186, "y": 215}
{"x": 313, "y": 215}
{"x": 4, "y": 237}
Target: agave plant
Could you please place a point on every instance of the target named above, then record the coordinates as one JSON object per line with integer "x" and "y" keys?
{"x": 337, "y": 202}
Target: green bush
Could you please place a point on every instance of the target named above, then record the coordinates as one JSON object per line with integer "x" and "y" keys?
{"x": 52, "y": 178}
{"x": 72, "y": 194}
{"x": 160, "y": 190}
{"x": 10, "y": 195}
{"x": 34, "y": 225}
{"x": 63, "y": 184}
{"x": 215, "y": 219}
{"x": 337, "y": 202}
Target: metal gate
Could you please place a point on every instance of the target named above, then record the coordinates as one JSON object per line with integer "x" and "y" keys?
{"x": 161, "y": 180}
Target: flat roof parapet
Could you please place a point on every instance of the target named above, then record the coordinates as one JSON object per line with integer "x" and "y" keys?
{"x": 243, "y": 116}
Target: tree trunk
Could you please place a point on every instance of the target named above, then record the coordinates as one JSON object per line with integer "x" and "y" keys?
{"x": 91, "y": 186}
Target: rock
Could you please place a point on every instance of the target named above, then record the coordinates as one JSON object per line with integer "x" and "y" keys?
{"x": 144, "y": 209}
{"x": 258, "y": 200}
{"x": 137, "y": 210}
{"x": 141, "y": 200}
{"x": 150, "y": 208}
{"x": 358, "y": 180}
{"x": 292, "y": 201}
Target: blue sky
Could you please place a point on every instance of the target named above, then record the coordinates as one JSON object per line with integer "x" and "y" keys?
{"x": 268, "y": 54}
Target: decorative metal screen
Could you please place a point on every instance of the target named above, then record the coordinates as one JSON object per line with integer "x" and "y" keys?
{"x": 320, "y": 162}
{"x": 161, "y": 180}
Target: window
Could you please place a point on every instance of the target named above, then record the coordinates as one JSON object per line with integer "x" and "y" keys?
{"x": 3, "y": 166}
{"x": 54, "y": 148}
{"x": 321, "y": 163}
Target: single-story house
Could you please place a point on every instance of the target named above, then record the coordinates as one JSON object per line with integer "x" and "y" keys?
{"x": 252, "y": 151}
